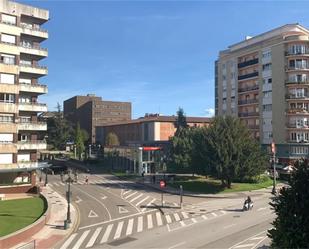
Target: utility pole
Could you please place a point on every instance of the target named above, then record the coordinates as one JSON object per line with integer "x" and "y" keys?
{"x": 273, "y": 150}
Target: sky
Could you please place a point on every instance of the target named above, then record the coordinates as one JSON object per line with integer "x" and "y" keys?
{"x": 159, "y": 55}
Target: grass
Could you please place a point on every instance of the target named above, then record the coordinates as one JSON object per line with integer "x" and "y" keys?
{"x": 212, "y": 186}
{"x": 19, "y": 213}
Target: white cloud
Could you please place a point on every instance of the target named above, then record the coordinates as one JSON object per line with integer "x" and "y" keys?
{"x": 210, "y": 112}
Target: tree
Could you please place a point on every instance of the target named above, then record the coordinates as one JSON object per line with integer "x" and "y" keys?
{"x": 59, "y": 130}
{"x": 111, "y": 139}
{"x": 181, "y": 121}
{"x": 229, "y": 151}
{"x": 79, "y": 142}
{"x": 291, "y": 226}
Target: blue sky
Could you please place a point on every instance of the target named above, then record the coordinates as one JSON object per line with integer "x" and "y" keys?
{"x": 157, "y": 54}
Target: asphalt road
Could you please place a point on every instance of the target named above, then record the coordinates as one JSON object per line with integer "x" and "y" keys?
{"x": 125, "y": 214}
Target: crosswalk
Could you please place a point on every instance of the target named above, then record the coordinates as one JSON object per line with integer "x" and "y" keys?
{"x": 86, "y": 238}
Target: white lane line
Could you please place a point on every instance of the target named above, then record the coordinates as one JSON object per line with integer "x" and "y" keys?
{"x": 130, "y": 227}
{"x": 246, "y": 245}
{"x": 135, "y": 198}
{"x": 68, "y": 241}
{"x": 179, "y": 244}
{"x": 94, "y": 237}
{"x": 204, "y": 217}
{"x": 140, "y": 224}
{"x": 149, "y": 221}
{"x": 128, "y": 196}
{"x": 168, "y": 219}
{"x": 118, "y": 230}
{"x": 234, "y": 246}
{"x": 159, "y": 219}
{"x": 228, "y": 226}
{"x": 151, "y": 202}
{"x": 140, "y": 202}
{"x": 223, "y": 212}
{"x": 214, "y": 214}
{"x": 263, "y": 208}
{"x": 256, "y": 238}
{"x": 194, "y": 220}
{"x": 177, "y": 218}
{"x": 81, "y": 239}
{"x": 107, "y": 233}
{"x": 185, "y": 215}
{"x": 56, "y": 184}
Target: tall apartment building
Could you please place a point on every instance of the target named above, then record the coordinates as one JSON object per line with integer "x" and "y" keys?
{"x": 21, "y": 135}
{"x": 91, "y": 111}
{"x": 264, "y": 81}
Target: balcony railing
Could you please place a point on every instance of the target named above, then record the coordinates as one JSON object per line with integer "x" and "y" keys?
{"x": 247, "y": 101}
{"x": 31, "y": 65}
{"x": 32, "y": 27}
{"x": 297, "y": 68}
{"x": 296, "y": 126}
{"x": 27, "y": 45}
{"x": 298, "y": 141}
{"x": 32, "y": 126}
{"x": 249, "y": 75}
{"x": 292, "y": 96}
{"x": 248, "y": 114}
{"x": 33, "y": 88}
{"x": 248, "y": 88}
{"x": 32, "y": 145}
{"x": 306, "y": 52}
{"x": 297, "y": 82}
{"x": 297, "y": 110}
{"x": 248, "y": 63}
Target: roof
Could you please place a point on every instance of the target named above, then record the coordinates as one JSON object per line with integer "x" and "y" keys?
{"x": 159, "y": 118}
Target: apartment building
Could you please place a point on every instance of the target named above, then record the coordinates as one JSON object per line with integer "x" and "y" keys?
{"x": 264, "y": 81}
{"x": 21, "y": 133}
{"x": 91, "y": 111}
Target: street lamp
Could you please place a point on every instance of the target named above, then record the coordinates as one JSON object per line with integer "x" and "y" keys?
{"x": 273, "y": 150}
{"x": 69, "y": 180}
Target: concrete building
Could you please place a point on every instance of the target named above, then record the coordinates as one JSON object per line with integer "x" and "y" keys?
{"x": 149, "y": 130}
{"x": 264, "y": 81}
{"x": 91, "y": 111}
{"x": 21, "y": 134}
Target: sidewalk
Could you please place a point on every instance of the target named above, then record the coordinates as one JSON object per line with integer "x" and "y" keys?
{"x": 53, "y": 232}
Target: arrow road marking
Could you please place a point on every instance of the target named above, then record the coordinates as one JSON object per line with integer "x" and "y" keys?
{"x": 122, "y": 210}
{"x": 92, "y": 214}
{"x": 78, "y": 199}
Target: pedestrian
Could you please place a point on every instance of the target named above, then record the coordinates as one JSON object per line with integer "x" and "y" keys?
{"x": 86, "y": 180}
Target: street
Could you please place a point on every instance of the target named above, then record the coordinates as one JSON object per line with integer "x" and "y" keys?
{"x": 120, "y": 213}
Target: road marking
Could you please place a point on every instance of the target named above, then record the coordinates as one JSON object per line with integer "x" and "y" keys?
{"x": 204, "y": 217}
{"x": 128, "y": 196}
{"x": 118, "y": 230}
{"x": 255, "y": 238}
{"x": 194, "y": 220}
{"x": 122, "y": 210}
{"x": 182, "y": 223}
{"x": 159, "y": 219}
{"x": 168, "y": 219}
{"x": 81, "y": 239}
{"x": 234, "y": 246}
{"x": 177, "y": 218}
{"x": 103, "y": 197}
{"x": 149, "y": 219}
{"x": 246, "y": 245}
{"x": 229, "y": 226}
{"x": 151, "y": 202}
{"x": 179, "y": 244}
{"x": 78, "y": 199}
{"x": 68, "y": 241}
{"x": 223, "y": 212}
{"x": 136, "y": 197}
{"x": 185, "y": 215}
{"x": 61, "y": 183}
{"x": 56, "y": 184}
{"x": 92, "y": 214}
{"x": 107, "y": 233}
{"x": 130, "y": 227}
{"x": 263, "y": 208}
{"x": 94, "y": 237}
{"x": 127, "y": 191}
{"x": 214, "y": 214}
{"x": 140, "y": 224}
{"x": 140, "y": 202}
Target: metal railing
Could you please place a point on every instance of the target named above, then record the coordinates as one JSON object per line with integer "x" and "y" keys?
{"x": 31, "y": 65}
{"x": 248, "y": 101}
{"x": 249, "y": 75}
{"x": 32, "y": 27}
{"x": 248, "y": 114}
{"x": 248, "y": 88}
{"x": 248, "y": 63}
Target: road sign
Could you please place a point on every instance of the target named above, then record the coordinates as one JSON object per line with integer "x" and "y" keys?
{"x": 162, "y": 184}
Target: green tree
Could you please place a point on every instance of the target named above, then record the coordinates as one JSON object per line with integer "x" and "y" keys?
{"x": 79, "y": 141}
{"x": 291, "y": 226}
{"x": 229, "y": 151}
{"x": 111, "y": 139}
{"x": 181, "y": 121}
{"x": 59, "y": 130}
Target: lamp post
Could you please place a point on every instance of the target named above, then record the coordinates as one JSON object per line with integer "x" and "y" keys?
{"x": 273, "y": 150}
{"x": 69, "y": 180}
{"x": 89, "y": 150}
{"x": 46, "y": 180}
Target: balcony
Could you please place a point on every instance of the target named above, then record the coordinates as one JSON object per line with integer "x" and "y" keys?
{"x": 247, "y": 76}
{"x": 248, "y": 88}
{"x": 298, "y": 141}
{"x": 33, "y": 69}
{"x": 297, "y": 82}
{"x": 297, "y": 68}
{"x": 297, "y": 111}
{"x": 296, "y": 126}
{"x": 295, "y": 97}
{"x": 248, "y": 114}
{"x": 34, "y": 30}
{"x": 8, "y": 107}
{"x": 32, "y": 126}
{"x": 22, "y": 165}
{"x": 248, "y": 63}
{"x": 32, "y": 145}
{"x": 32, "y": 49}
{"x": 247, "y": 101}
{"x": 298, "y": 53}
{"x": 32, "y": 107}
{"x": 36, "y": 88}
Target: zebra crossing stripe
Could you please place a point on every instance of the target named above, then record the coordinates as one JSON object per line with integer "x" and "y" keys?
{"x": 185, "y": 215}
{"x": 135, "y": 198}
{"x": 68, "y": 241}
{"x": 159, "y": 219}
{"x": 153, "y": 200}
{"x": 127, "y": 191}
{"x": 177, "y": 218}
{"x": 61, "y": 183}
{"x": 140, "y": 224}
{"x": 130, "y": 195}
{"x": 49, "y": 184}
{"x": 94, "y": 237}
{"x": 149, "y": 219}
{"x": 168, "y": 219}
{"x": 223, "y": 212}
{"x": 137, "y": 204}
{"x": 130, "y": 227}
{"x": 81, "y": 239}
{"x": 118, "y": 230}
{"x": 204, "y": 217}
{"x": 182, "y": 223}
{"x": 214, "y": 214}
{"x": 107, "y": 233}
{"x": 193, "y": 220}
{"x": 56, "y": 184}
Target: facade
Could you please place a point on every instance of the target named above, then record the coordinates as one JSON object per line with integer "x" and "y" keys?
{"x": 21, "y": 133}
{"x": 91, "y": 111}
{"x": 264, "y": 81}
{"x": 149, "y": 130}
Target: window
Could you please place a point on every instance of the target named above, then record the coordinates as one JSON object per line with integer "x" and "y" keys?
{"x": 7, "y": 78}
{"x": 25, "y": 63}
{"x": 266, "y": 54}
{"x": 6, "y": 158}
{"x": 8, "y": 38}
{"x": 23, "y": 157}
{"x": 6, "y": 137}
{"x": 267, "y": 67}
{"x": 24, "y": 138}
{"x": 9, "y": 19}
{"x": 267, "y": 108}
{"x": 6, "y": 118}
{"x": 24, "y": 99}
{"x": 267, "y": 94}
{"x": 24, "y": 119}
{"x": 24, "y": 81}
{"x": 270, "y": 80}
{"x": 8, "y": 59}
{"x": 7, "y": 98}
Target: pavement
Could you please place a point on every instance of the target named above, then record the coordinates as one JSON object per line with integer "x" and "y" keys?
{"x": 53, "y": 232}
